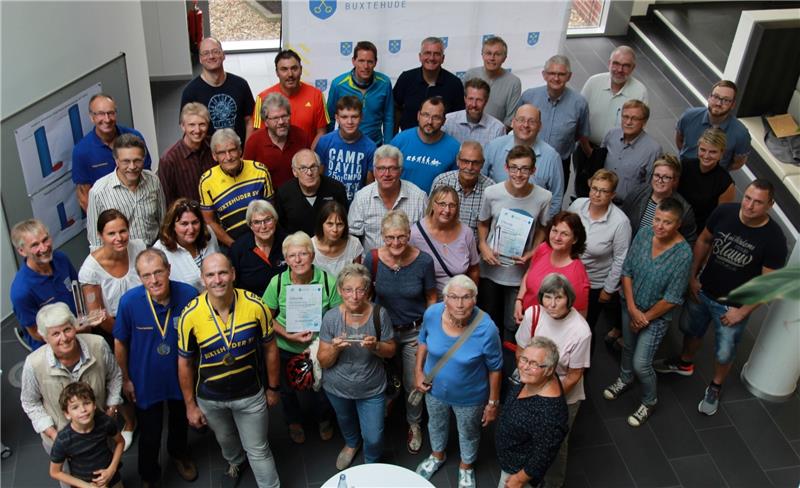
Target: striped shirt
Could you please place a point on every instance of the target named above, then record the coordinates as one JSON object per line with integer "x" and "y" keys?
{"x": 367, "y": 211}
{"x": 469, "y": 203}
{"x": 143, "y": 207}
{"x": 227, "y": 196}
{"x": 484, "y": 131}
{"x": 180, "y": 168}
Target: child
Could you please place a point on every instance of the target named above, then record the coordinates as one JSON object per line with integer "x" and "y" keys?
{"x": 84, "y": 442}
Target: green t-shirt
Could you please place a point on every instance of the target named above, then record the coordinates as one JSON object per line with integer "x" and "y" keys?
{"x": 330, "y": 299}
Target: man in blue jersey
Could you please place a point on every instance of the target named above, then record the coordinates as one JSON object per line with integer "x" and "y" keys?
{"x": 428, "y": 151}
{"x": 346, "y": 154}
{"x": 146, "y": 348}
{"x": 372, "y": 88}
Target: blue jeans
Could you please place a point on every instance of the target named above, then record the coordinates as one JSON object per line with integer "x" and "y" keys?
{"x": 468, "y": 425}
{"x": 638, "y": 352}
{"x": 697, "y": 316}
{"x": 366, "y": 413}
{"x": 241, "y": 426}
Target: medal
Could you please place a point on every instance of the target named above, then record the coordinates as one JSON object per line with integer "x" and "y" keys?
{"x": 163, "y": 349}
{"x": 228, "y": 360}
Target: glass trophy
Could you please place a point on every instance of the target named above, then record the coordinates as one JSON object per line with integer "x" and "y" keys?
{"x": 86, "y": 305}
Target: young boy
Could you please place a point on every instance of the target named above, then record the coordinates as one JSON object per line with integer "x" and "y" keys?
{"x": 84, "y": 442}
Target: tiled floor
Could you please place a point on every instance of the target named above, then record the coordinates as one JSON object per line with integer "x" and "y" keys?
{"x": 748, "y": 443}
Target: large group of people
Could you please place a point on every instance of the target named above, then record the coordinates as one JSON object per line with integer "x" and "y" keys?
{"x": 384, "y": 250}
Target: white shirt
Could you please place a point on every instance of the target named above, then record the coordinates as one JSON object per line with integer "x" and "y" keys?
{"x": 183, "y": 267}
{"x": 605, "y": 107}
{"x": 91, "y": 273}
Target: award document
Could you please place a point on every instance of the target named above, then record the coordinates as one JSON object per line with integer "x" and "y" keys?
{"x": 303, "y": 308}
{"x": 511, "y": 235}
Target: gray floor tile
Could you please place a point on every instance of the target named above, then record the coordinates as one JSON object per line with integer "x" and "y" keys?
{"x": 785, "y": 415}
{"x": 697, "y": 472}
{"x": 761, "y": 435}
{"x": 588, "y": 429}
{"x": 601, "y": 466}
{"x": 786, "y": 477}
{"x": 641, "y": 453}
{"x": 32, "y": 467}
{"x": 689, "y": 392}
{"x": 730, "y": 453}
{"x": 672, "y": 428}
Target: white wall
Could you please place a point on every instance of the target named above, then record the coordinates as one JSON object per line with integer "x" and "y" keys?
{"x": 167, "y": 39}
{"x": 46, "y": 45}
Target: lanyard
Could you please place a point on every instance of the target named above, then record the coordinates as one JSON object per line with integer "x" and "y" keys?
{"x": 225, "y": 339}
{"x": 162, "y": 330}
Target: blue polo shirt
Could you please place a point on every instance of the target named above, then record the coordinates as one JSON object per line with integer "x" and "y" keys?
{"x": 155, "y": 377}
{"x": 422, "y": 162}
{"x": 377, "y": 114}
{"x": 564, "y": 119}
{"x": 92, "y": 159}
{"x": 30, "y": 291}
{"x": 694, "y": 122}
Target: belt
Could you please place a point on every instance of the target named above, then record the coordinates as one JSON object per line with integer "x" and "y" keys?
{"x": 413, "y": 325}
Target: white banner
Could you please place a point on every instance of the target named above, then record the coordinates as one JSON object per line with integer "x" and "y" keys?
{"x": 324, "y": 32}
{"x": 57, "y": 207}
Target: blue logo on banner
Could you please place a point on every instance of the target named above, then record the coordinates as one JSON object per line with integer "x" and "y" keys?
{"x": 321, "y": 84}
{"x": 322, "y": 9}
{"x": 487, "y": 36}
{"x": 346, "y": 48}
{"x": 394, "y": 45}
{"x": 444, "y": 40}
{"x": 461, "y": 74}
{"x": 533, "y": 38}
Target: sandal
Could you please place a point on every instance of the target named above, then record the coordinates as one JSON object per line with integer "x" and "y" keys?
{"x": 5, "y": 452}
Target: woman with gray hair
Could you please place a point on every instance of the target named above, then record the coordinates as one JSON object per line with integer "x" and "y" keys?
{"x": 354, "y": 339}
{"x": 403, "y": 278}
{"x": 469, "y": 381}
{"x": 555, "y": 317}
{"x": 257, "y": 255}
{"x": 533, "y": 423}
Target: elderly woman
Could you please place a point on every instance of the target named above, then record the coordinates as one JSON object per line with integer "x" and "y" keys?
{"x": 257, "y": 256}
{"x": 705, "y": 184}
{"x": 533, "y": 422}
{"x": 405, "y": 286}
{"x": 556, "y": 318}
{"x": 186, "y": 240}
{"x": 84, "y": 357}
{"x": 654, "y": 279}
{"x": 333, "y": 245}
{"x": 294, "y": 339}
{"x": 354, "y": 339}
{"x": 608, "y": 235}
{"x": 560, "y": 253}
{"x": 468, "y": 383}
{"x": 442, "y": 235}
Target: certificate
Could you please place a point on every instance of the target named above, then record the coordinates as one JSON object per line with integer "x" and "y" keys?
{"x": 303, "y": 308}
{"x": 511, "y": 235}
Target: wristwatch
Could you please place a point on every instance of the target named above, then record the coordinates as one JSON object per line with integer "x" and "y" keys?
{"x": 493, "y": 403}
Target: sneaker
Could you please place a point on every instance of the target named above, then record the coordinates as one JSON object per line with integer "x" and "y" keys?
{"x": 615, "y": 389}
{"x": 641, "y": 415}
{"x": 297, "y": 434}
{"x": 466, "y": 478}
{"x": 710, "y": 402}
{"x": 345, "y": 457}
{"x": 429, "y": 466}
{"x": 666, "y": 366}
{"x": 231, "y": 476}
{"x": 326, "y": 430}
{"x": 414, "y": 443}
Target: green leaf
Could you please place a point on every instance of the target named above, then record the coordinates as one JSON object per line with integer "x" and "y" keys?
{"x": 781, "y": 283}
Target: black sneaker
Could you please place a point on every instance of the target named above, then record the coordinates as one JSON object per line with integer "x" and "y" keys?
{"x": 615, "y": 389}
{"x": 666, "y": 366}
{"x": 641, "y": 415}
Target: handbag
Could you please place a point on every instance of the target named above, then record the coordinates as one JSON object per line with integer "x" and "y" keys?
{"x": 433, "y": 249}
{"x": 416, "y": 396}
{"x": 393, "y": 378}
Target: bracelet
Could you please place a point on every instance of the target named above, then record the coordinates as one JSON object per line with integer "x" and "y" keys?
{"x": 518, "y": 299}
{"x": 273, "y": 388}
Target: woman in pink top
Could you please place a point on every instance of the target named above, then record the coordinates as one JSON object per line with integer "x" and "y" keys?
{"x": 559, "y": 254}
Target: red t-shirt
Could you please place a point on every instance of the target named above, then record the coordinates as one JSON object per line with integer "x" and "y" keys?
{"x": 259, "y": 147}
{"x": 308, "y": 109}
{"x": 541, "y": 267}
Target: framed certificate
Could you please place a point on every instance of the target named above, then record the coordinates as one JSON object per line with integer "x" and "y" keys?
{"x": 303, "y": 308}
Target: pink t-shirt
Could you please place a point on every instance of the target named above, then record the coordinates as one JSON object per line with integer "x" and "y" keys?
{"x": 541, "y": 267}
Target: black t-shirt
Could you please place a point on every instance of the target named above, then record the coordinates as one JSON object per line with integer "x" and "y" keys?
{"x": 295, "y": 212}
{"x": 228, "y": 103}
{"x": 411, "y": 90}
{"x": 738, "y": 252}
{"x": 252, "y": 272}
{"x": 702, "y": 190}
{"x": 88, "y": 452}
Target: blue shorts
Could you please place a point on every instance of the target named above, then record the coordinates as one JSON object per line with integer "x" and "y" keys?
{"x": 697, "y": 317}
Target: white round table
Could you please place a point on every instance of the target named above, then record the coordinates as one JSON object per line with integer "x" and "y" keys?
{"x": 379, "y": 475}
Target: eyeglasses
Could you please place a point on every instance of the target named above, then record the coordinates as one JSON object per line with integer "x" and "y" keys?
{"x": 209, "y": 52}
{"x": 387, "y": 169}
{"x": 462, "y": 298}
{"x": 599, "y": 191}
{"x": 445, "y": 205}
{"x": 296, "y": 255}
{"x": 432, "y": 117}
{"x": 524, "y": 362}
{"x": 278, "y": 118}
{"x": 631, "y": 118}
{"x": 130, "y": 162}
{"x": 354, "y": 291}
{"x": 401, "y": 239}
{"x": 523, "y": 170}
{"x": 155, "y": 274}
{"x": 556, "y": 74}
{"x": 617, "y": 64}
{"x": 722, "y": 100}
{"x": 493, "y": 54}
{"x": 530, "y": 122}
{"x": 471, "y": 162}
{"x": 307, "y": 169}
{"x": 663, "y": 178}
{"x": 108, "y": 113}
{"x": 260, "y": 222}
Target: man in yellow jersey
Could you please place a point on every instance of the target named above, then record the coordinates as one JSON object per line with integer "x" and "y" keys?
{"x": 223, "y": 329}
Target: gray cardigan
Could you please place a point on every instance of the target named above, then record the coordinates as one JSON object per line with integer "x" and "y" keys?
{"x": 636, "y": 203}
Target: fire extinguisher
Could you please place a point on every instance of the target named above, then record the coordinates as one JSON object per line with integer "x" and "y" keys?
{"x": 195, "y": 20}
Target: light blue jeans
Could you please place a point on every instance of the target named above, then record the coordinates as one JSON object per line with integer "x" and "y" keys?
{"x": 637, "y": 355}
{"x": 406, "y": 356}
{"x": 366, "y": 413}
{"x": 697, "y": 316}
{"x": 468, "y": 424}
{"x": 241, "y": 426}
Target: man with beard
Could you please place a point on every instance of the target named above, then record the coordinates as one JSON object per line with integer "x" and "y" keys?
{"x": 473, "y": 123}
{"x": 719, "y": 114}
{"x": 428, "y": 151}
